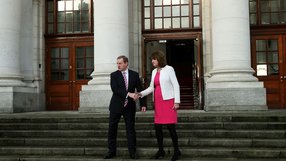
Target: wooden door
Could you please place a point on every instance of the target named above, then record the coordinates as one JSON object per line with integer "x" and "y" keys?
{"x": 268, "y": 60}
{"x": 68, "y": 67}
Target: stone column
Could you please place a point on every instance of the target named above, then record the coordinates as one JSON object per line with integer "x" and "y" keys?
{"x": 110, "y": 41}
{"x": 232, "y": 85}
{"x": 10, "y": 43}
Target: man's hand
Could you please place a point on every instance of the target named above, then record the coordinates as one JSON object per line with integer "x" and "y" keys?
{"x": 133, "y": 95}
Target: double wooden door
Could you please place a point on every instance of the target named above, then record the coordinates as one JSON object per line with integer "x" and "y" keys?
{"x": 269, "y": 62}
{"x": 68, "y": 67}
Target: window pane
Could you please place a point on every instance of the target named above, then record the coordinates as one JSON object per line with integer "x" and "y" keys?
{"x": 80, "y": 74}
{"x": 265, "y": 18}
{"x": 167, "y": 23}
{"x": 196, "y": 1}
{"x": 55, "y": 53}
{"x": 185, "y": 11}
{"x": 252, "y": 6}
{"x": 253, "y": 19}
{"x": 88, "y": 73}
{"x": 274, "y": 5}
{"x": 85, "y": 5}
{"x": 64, "y": 75}
{"x": 76, "y": 27}
{"x": 196, "y": 21}
{"x": 89, "y": 63}
{"x": 55, "y": 64}
{"x": 61, "y": 5}
{"x": 89, "y": 51}
{"x": 64, "y": 53}
{"x": 61, "y": 16}
{"x": 264, "y": 6}
{"x": 260, "y": 57}
{"x": 85, "y": 27}
{"x": 69, "y": 16}
{"x": 147, "y": 12}
{"x": 185, "y": 1}
{"x": 64, "y": 64}
{"x": 50, "y": 17}
{"x": 80, "y": 52}
{"x": 80, "y": 63}
{"x": 147, "y": 24}
{"x": 260, "y": 45}
{"x": 176, "y": 11}
{"x": 69, "y": 5}
{"x": 51, "y": 28}
{"x": 158, "y": 2}
{"x": 50, "y": 6}
{"x": 284, "y": 17}
{"x": 61, "y": 27}
{"x": 85, "y": 16}
{"x": 158, "y": 23}
{"x": 176, "y": 22}
{"x": 272, "y": 45}
{"x": 147, "y": 2}
{"x": 185, "y": 22}
{"x": 69, "y": 28}
{"x": 167, "y": 11}
{"x": 158, "y": 11}
{"x": 272, "y": 57}
{"x": 76, "y": 5}
{"x": 167, "y": 2}
{"x": 275, "y": 18}
{"x": 196, "y": 10}
{"x": 174, "y": 2}
{"x": 273, "y": 69}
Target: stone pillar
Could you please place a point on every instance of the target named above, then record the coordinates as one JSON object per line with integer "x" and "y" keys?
{"x": 232, "y": 85}
{"x": 110, "y": 41}
{"x": 10, "y": 43}
{"x": 15, "y": 95}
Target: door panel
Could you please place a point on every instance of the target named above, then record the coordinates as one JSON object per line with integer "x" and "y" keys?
{"x": 269, "y": 64}
{"x": 69, "y": 66}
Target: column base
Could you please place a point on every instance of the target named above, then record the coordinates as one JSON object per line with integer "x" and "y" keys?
{"x": 95, "y": 98}
{"x": 20, "y": 99}
{"x": 235, "y": 96}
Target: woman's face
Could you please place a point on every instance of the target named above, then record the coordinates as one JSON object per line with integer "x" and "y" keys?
{"x": 155, "y": 62}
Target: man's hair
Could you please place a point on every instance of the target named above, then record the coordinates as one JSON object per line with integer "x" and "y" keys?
{"x": 160, "y": 57}
{"x": 125, "y": 59}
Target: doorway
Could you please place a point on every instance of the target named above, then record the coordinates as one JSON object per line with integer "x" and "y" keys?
{"x": 269, "y": 63}
{"x": 182, "y": 55}
{"x": 68, "y": 67}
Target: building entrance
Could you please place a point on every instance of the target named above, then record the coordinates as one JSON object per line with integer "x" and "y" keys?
{"x": 269, "y": 62}
{"x": 183, "y": 56}
{"x": 68, "y": 67}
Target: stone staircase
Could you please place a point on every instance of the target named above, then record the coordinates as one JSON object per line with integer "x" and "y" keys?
{"x": 203, "y": 136}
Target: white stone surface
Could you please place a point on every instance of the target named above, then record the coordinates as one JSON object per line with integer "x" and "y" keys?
{"x": 10, "y": 43}
{"x": 232, "y": 85}
{"x": 111, "y": 39}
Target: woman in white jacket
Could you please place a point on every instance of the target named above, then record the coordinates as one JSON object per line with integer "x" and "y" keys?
{"x": 166, "y": 96}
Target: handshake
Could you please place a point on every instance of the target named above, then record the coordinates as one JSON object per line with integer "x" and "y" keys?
{"x": 135, "y": 95}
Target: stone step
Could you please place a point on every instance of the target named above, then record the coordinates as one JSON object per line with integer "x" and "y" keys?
{"x": 271, "y": 134}
{"x": 144, "y": 142}
{"x": 76, "y": 158}
{"x": 141, "y": 126}
{"x": 146, "y": 152}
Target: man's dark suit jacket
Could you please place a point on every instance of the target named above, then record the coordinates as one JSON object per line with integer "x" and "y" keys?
{"x": 119, "y": 91}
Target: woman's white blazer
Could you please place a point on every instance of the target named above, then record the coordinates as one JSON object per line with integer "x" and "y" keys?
{"x": 169, "y": 84}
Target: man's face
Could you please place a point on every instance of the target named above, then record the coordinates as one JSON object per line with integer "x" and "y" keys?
{"x": 121, "y": 65}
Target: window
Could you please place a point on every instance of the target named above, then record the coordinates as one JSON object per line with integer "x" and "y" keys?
{"x": 84, "y": 62}
{"x": 171, "y": 14}
{"x": 267, "y": 63}
{"x": 60, "y": 64}
{"x": 267, "y": 12}
{"x": 69, "y": 16}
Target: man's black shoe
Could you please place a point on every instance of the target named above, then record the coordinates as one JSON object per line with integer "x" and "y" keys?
{"x": 109, "y": 155}
{"x": 133, "y": 156}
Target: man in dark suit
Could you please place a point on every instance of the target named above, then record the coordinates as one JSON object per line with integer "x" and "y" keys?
{"x": 123, "y": 84}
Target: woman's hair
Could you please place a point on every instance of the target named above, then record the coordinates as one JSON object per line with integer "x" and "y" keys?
{"x": 160, "y": 57}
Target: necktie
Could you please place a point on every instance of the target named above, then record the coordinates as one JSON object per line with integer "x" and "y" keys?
{"x": 126, "y": 87}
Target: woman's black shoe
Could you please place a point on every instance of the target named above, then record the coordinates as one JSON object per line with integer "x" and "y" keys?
{"x": 160, "y": 153}
{"x": 176, "y": 156}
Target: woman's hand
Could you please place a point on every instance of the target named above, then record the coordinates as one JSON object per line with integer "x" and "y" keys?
{"x": 176, "y": 106}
